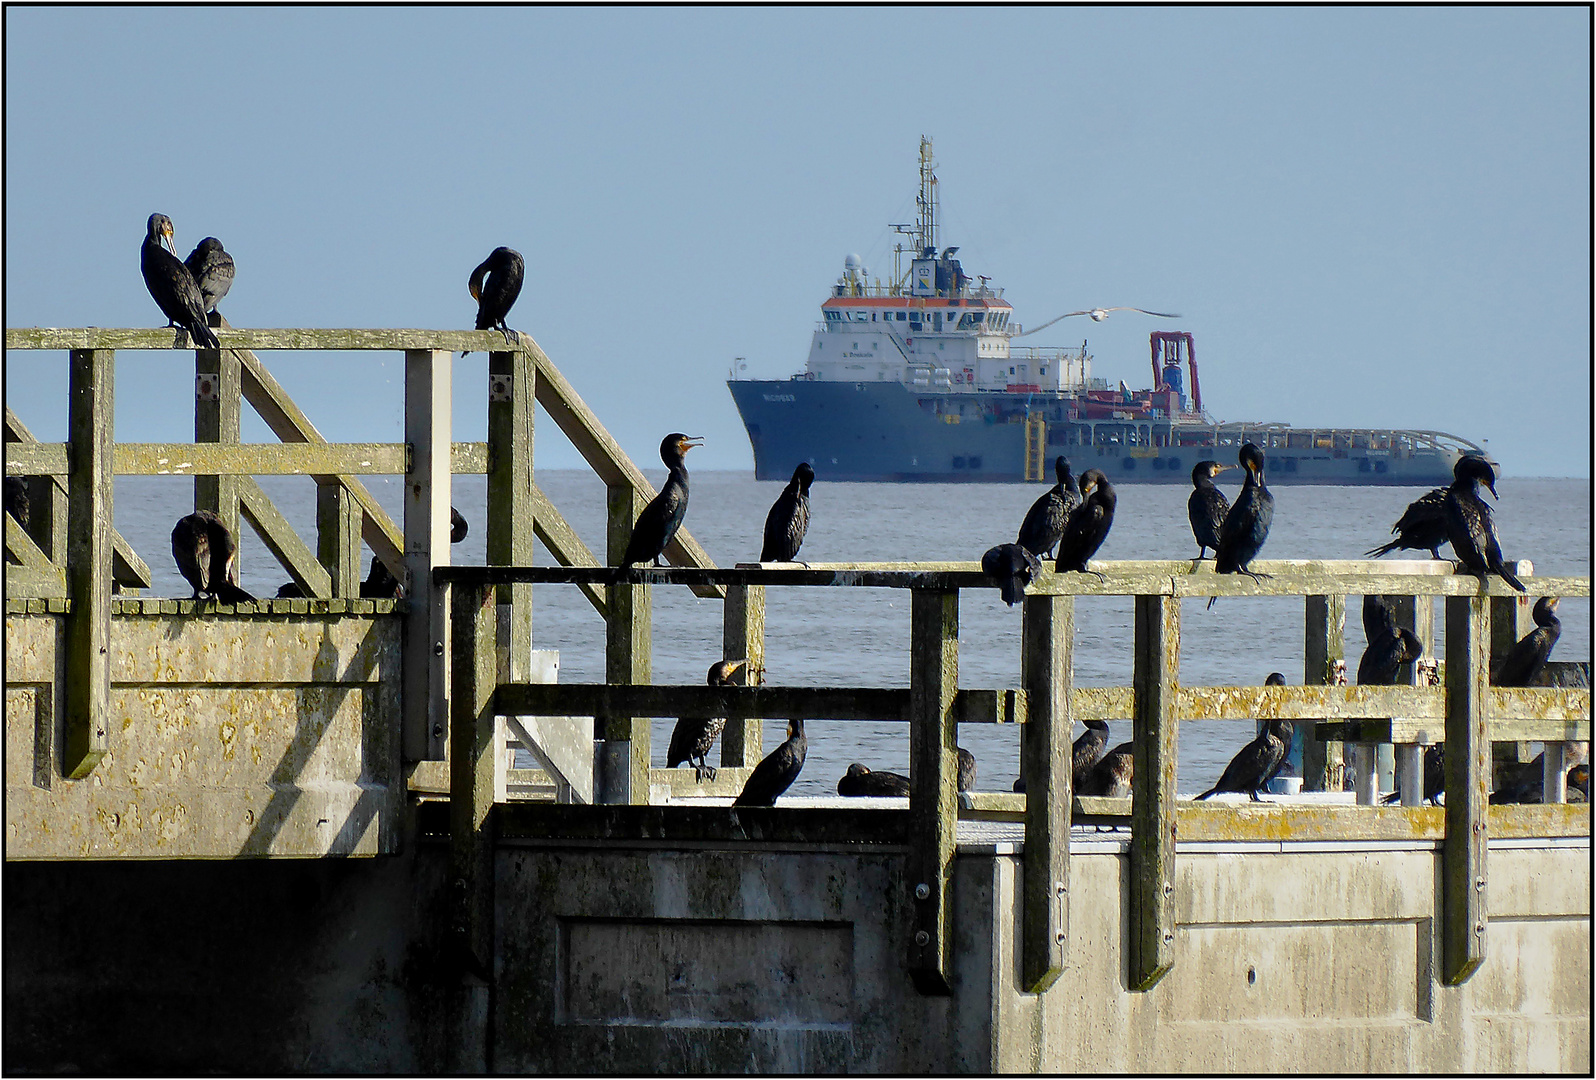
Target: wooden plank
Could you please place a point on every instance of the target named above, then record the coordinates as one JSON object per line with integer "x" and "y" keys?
{"x": 338, "y": 518}
{"x": 203, "y": 459}
{"x": 91, "y": 417}
{"x": 1323, "y": 664}
{"x": 311, "y": 339}
{"x": 1102, "y": 702}
{"x": 628, "y": 657}
{"x": 1419, "y": 703}
{"x": 511, "y": 509}
{"x": 606, "y": 458}
{"x": 565, "y": 546}
{"x": 127, "y": 569}
{"x": 428, "y": 414}
{"x": 1152, "y": 854}
{"x": 743, "y": 638}
{"x": 850, "y": 703}
{"x": 471, "y": 775}
{"x": 1046, "y": 758}
{"x": 1428, "y": 732}
{"x": 37, "y": 459}
{"x": 20, "y": 546}
{"x": 216, "y": 433}
{"x": 1468, "y": 763}
{"x": 282, "y": 541}
{"x": 35, "y": 582}
{"x": 933, "y": 796}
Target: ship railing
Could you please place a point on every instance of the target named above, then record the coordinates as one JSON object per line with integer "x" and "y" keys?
{"x": 1465, "y": 713}
{"x": 69, "y": 557}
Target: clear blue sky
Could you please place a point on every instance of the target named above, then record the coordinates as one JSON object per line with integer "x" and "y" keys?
{"x": 1368, "y": 216}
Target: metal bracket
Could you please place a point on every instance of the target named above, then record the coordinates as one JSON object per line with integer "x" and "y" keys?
{"x": 208, "y": 386}
{"x": 499, "y": 387}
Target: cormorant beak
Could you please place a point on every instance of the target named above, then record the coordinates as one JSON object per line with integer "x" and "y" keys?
{"x": 166, "y": 238}
{"x": 1221, "y": 468}
{"x": 476, "y": 291}
{"x": 688, "y": 443}
{"x": 1491, "y": 484}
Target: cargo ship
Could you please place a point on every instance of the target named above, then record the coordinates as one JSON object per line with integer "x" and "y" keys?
{"x": 919, "y": 379}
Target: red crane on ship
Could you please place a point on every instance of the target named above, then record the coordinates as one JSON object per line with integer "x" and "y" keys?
{"x": 1169, "y": 348}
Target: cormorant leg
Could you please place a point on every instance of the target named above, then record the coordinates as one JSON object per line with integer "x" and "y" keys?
{"x": 1254, "y": 793}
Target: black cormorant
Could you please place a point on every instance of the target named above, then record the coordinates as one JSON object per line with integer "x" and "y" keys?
{"x": 458, "y": 526}
{"x": 1257, "y": 762}
{"x": 1579, "y": 780}
{"x": 1526, "y": 783}
{"x": 1388, "y": 646}
{"x": 1421, "y": 527}
{"x": 212, "y": 270}
{"x": 172, "y": 286}
{"x": 1089, "y": 748}
{"x": 1246, "y": 525}
{"x": 1469, "y": 525}
{"x": 694, "y": 736}
{"x": 862, "y": 781}
{"x": 1112, "y": 775}
{"x": 380, "y": 584}
{"x": 1088, "y": 524}
{"x": 788, "y": 519}
{"x": 966, "y": 776}
{"x": 1014, "y": 567}
{"x": 1434, "y": 777}
{"x": 776, "y": 773}
{"x": 1044, "y": 521}
{"x": 206, "y": 555}
{"x": 663, "y": 516}
{"x": 17, "y": 502}
{"x": 504, "y": 269}
{"x": 1526, "y": 658}
{"x": 1206, "y": 506}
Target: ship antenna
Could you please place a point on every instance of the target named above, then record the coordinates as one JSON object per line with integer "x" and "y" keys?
{"x": 928, "y": 198}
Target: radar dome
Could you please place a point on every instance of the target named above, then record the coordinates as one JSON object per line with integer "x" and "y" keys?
{"x": 851, "y": 263}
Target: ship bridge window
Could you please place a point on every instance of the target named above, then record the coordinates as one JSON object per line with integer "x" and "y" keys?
{"x": 971, "y": 318}
{"x": 833, "y": 316}
{"x": 902, "y": 315}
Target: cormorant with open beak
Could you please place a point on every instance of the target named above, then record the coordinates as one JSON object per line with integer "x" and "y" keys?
{"x": 660, "y": 519}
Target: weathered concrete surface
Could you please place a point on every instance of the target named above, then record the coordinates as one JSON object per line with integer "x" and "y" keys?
{"x": 231, "y": 736}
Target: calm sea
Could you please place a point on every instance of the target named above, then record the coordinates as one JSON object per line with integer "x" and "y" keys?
{"x": 859, "y": 637}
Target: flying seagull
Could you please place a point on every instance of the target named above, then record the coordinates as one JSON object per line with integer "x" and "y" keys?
{"x": 1098, "y": 315}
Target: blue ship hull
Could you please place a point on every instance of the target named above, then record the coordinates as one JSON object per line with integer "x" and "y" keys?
{"x": 886, "y": 431}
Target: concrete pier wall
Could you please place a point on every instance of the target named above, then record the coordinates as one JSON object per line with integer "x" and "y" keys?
{"x": 645, "y": 955}
{"x": 233, "y": 736}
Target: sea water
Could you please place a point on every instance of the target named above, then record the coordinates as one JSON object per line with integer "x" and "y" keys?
{"x": 859, "y": 637}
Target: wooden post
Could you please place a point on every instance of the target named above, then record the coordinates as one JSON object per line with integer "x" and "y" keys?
{"x": 509, "y": 526}
{"x": 1323, "y": 644}
{"x": 474, "y": 678}
{"x": 1468, "y": 759}
{"x": 91, "y": 412}
{"x": 338, "y": 519}
{"x": 933, "y": 794}
{"x": 628, "y": 659}
{"x": 1152, "y": 855}
{"x": 743, "y": 635}
{"x": 217, "y": 382}
{"x": 428, "y": 401}
{"x": 1046, "y": 758}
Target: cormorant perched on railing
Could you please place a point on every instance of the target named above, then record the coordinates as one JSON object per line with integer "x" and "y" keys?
{"x": 1257, "y": 762}
{"x": 1014, "y": 567}
{"x": 172, "y": 286}
{"x": 862, "y": 781}
{"x": 1044, "y": 521}
{"x": 1525, "y": 784}
{"x": 1246, "y": 525}
{"x": 788, "y": 519}
{"x": 1469, "y": 525}
{"x": 1434, "y": 777}
{"x": 694, "y": 736}
{"x": 776, "y": 773}
{"x": 1206, "y": 506}
{"x": 212, "y": 269}
{"x": 504, "y": 270}
{"x": 965, "y": 779}
{"x": 206, "y": 555}
{"x": 17, "y": 501}
{"x": 1389, "y": 645}
{"x": 1422, "y": 526}
{"x": 1526, "y": 658}
{"x": 458, "y": 526}
{"x": 1087, "y": 752}
{"x": 663, "y": 516}
{"x": 1088, "y": 524}
{"x": 1112, "y": 775}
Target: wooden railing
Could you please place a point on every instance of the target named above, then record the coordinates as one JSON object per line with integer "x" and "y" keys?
{"x": 70, "y": 550}
{"x": 1465, "y": 713}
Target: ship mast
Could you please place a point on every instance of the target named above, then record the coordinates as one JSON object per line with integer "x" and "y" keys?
{"x": 926, "y": 233}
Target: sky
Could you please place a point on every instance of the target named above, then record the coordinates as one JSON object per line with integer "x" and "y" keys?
{"x": 1367, "y": 216}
